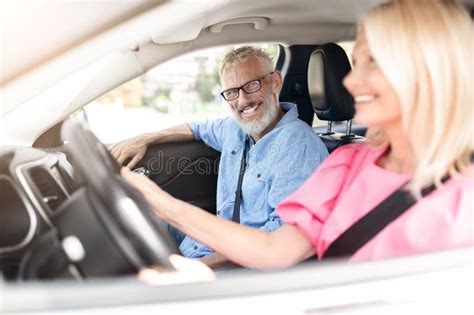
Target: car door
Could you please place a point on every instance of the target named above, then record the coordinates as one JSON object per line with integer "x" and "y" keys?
{"x": 186, "y": 170}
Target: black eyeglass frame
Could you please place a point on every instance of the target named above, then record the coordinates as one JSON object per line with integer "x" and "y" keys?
{"x": 242, "y": 87}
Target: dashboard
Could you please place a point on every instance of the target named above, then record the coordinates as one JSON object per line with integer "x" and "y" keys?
{"x": 56, "y": 224}
{"x": 34, "y": 185}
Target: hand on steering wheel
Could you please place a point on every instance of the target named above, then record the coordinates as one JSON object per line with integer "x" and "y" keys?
{"x": 138, "y": 232}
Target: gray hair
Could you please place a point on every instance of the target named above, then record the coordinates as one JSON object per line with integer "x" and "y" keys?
{"x": 241, "y": 55}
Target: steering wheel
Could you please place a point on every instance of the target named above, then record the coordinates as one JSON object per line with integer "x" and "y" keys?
{"x": 128, "y": 219}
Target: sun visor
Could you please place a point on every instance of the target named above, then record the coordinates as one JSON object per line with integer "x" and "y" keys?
{"x": 181, "y": 21}
{"x": 183, "y": 33}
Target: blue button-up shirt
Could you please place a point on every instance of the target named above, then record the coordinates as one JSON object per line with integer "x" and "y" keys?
{"x": 276, "y": 166}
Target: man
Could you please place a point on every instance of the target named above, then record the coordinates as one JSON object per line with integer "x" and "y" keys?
{"x": 264, "y": 140}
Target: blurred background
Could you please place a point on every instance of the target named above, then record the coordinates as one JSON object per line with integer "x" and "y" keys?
{"x": 183, "y": 89}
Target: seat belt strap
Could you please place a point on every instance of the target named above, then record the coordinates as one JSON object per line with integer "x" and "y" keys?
{"x": 238, "y": 191}
{"x": 367, "y": 227}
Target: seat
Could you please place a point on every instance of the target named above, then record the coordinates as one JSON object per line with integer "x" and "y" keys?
{"x": 328, "y": 65}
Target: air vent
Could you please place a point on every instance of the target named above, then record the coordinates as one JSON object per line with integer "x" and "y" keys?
{"x": 48, "y": 188}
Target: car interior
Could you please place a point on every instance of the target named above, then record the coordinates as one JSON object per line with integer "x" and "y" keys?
{"x": 65, "y": 210}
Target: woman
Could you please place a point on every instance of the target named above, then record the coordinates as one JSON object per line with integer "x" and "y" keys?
{"x": 411, "y": 85}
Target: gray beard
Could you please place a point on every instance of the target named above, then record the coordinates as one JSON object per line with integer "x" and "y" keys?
{"x": 256, "y": 128}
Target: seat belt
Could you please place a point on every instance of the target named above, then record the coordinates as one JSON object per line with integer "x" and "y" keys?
{"x": 367, "y": 227}
{"x": 238, "y": 191}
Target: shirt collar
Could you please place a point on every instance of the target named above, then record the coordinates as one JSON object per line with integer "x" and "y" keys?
{"x": 290, "y": 116}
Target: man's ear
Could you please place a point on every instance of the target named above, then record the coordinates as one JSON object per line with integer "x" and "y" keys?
{"x": 277, "y": 82}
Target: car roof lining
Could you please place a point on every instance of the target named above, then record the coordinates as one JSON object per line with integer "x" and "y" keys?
{"x": 141, "y": 54}
{"x": 41, "y": 19}
{"x": 159, "y": 22}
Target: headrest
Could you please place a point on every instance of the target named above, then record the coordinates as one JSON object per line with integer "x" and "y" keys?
{"x": 328, "y": 65}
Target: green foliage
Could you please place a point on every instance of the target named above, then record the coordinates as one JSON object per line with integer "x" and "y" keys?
{"x": 273, "y": 50}
{"x": 206, "y": 81}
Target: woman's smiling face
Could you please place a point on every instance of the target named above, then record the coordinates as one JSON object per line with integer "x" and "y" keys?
{"x": 376, "y": 101}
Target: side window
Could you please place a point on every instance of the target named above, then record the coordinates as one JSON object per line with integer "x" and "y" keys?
{"x": 347, "y": 46}
{"x": 183, "y": 89}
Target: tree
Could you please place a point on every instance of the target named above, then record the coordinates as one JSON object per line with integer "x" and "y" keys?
{"x": 206, "y": 81}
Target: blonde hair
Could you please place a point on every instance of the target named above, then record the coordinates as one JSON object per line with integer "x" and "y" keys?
{"x": 241, "y": 55}
{"x": 425, "y": 50}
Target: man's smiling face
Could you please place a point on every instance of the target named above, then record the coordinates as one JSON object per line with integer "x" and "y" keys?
{"x": 256, "y": 111}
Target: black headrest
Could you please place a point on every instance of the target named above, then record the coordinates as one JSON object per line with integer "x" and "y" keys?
{"x": 328, "y": 65}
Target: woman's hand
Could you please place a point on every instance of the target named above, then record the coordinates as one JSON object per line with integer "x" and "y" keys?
{"x": 161, "y": 201}
{"x": 187, "y": 271}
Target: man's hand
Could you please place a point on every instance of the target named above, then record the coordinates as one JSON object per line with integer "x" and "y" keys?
{"x": 134, "y": 148}
{"x": 217, "y": 261}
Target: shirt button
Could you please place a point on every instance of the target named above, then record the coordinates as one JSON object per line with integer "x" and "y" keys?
{"x": 233, "y": 152}
{"x": 218, "y": 212}
{"x": 259, "y": 175}
{"x": 195, "y": 247}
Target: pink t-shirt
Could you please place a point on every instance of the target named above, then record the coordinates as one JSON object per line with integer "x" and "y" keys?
{"x": 349, "y": 184}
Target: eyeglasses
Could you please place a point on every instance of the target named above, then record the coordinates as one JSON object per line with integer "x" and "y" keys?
{"x": 249, "y": 87}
